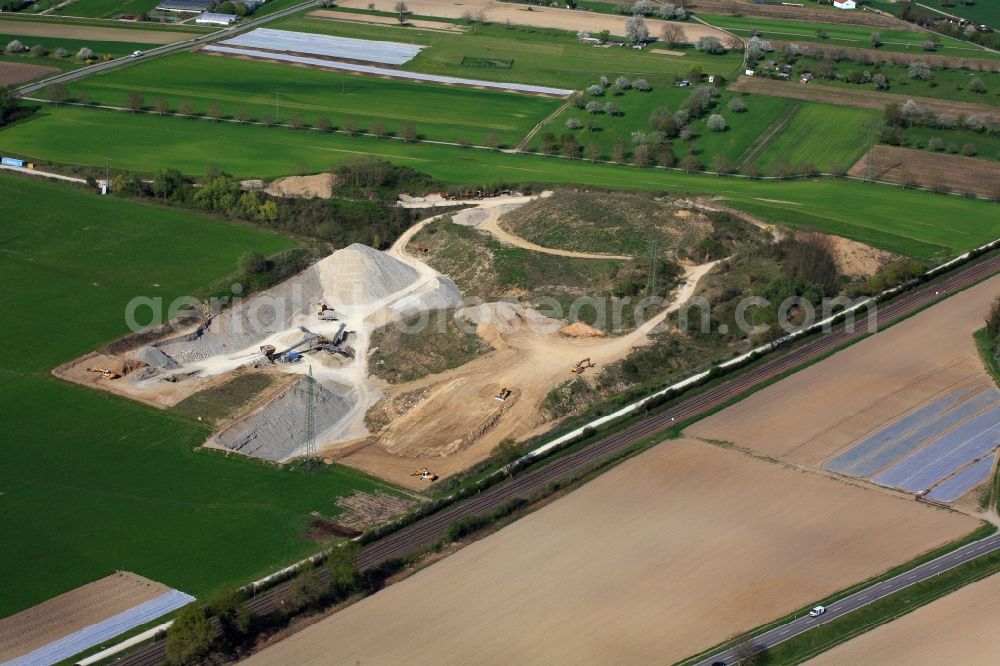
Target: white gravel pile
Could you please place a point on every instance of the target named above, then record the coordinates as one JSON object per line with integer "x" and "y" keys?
{"x": 250, "y": 322}
{"x": 439, "y": 293}
{"x": 358, "y": 275}
{"x": 277, "y": 431}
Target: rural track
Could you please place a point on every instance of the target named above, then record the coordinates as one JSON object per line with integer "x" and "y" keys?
{"x": 431, "y": 528}
{"x": 166, "y": 49}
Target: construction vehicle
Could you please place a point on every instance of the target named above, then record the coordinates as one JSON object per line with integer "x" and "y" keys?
{"x": 425, "y": 474}
{"x": 503, "y": 394}
{"x": 325, "y": 313}
{"x": 581, "y": 366}
{"x": 105, "y": 373}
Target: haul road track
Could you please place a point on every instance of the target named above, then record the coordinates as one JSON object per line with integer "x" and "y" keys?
{"x": 432, "y": 528}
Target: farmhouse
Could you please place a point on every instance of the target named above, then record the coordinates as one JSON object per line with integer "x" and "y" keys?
{"x": 844, "y": 4}
{"x": 192, "y": 6}
{"x": 209, "y": 18}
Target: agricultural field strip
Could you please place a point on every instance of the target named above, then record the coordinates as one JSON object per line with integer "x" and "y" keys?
{"x": 935, "y": 462}
{"x": 95, "y": 634}
{"x": 395, "y": 73}
{"x": 432, "y": 527}
{"x": 388, "y": 53}
{"x": 910, "y": 432}
{"x": 967, "y": 479}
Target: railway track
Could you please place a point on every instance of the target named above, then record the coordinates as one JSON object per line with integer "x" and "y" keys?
{"x": 428, "y": 530}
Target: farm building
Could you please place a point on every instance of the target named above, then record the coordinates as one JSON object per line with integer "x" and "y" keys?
{"x": 192, "y": 6}
{"x": 844, "y": 4}
{"x": 209, "y": 18}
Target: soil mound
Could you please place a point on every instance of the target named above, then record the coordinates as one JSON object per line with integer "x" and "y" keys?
{"x": 505, "y": 318}
{"x": 319, "y": 185}
{"x": 154, "y": 358}
{"x": 580, "y": 329}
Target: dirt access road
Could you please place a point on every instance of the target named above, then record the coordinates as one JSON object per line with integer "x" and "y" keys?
{"x": 71, "y": 611}
{"x": 858, "y": 98}
{"x": 929, "y": 169}
{"x": 539, "y": 17}
{"x": 960, "y": 628}
{"x": 824, "y": 409}
{"x": 727, "y": 542}
{"x": 450, "y": 421}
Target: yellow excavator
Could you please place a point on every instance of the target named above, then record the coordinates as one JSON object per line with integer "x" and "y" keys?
{"x": 581, "y": 366}
{"x": 105, "y": 373}
{"x": 425, "y": 474}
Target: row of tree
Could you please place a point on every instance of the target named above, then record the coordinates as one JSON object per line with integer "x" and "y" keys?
{"x": 193, "y": 639}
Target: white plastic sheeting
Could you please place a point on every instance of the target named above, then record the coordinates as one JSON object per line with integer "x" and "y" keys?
{"x": 366, "y": 50}
{"x": 95, "y": 634}
{"x": 396, "y": 73}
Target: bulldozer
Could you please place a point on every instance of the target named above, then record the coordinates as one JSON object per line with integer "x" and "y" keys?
{"x": 503, "y": 394}
{"x": 425, "y": 474}
{"x": 105, "y": 373}
{"x": 581, "y": 366}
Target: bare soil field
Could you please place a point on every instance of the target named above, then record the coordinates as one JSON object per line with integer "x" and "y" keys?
{"x": 892, "y": 57}
{"x": 823, "y": 409}
{"x": 540, "y": 17}
{"x": 960, "y": 628}
{"x": 351, "y": 17}
{"x": 860, "y": 99}
{"x": 927, "y": 169}
{"x": 12, "y": 73}
{"x": 727, "y": 542}
{"x": 736, "y": 8}
{"x": 29, "y": 29}
{"x": 69, "y": 612}
{"x": 857, "y": 259}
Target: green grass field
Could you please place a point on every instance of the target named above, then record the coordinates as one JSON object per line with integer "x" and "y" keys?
{"x": 919, "y": 224}
{"x": 987, "y": 146}
{"x": 540, "y": 56}
{"x": 827, "y": 136}
{"x": 106, "y": 8}
{"x": 113, "y": 49}
{"x": 92, "y": 483}
{"x": 439, "y": 112}
{"x": 904, "y": 41}
{"x": 943, "y": 84}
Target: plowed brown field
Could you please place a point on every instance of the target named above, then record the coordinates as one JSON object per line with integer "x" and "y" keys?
{"x": 860, "y": 98}
{"x": 821, "y": 410}
{"x": 86, "y": 605}
{"x": 958, "y": 174}
{"x": 661, "y": 557}
{"x": 12, "y": 73}
{"x": 96, "y": 33}
{"x": 960, "y": 628}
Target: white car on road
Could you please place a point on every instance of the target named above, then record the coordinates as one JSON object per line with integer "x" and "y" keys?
{"x": 817, "y": 611}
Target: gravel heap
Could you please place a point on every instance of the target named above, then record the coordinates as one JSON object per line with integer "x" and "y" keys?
{"x": 277, "y": 431}
{"x": 358, "y": 274}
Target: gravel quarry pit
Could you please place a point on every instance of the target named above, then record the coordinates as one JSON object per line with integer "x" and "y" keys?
{"x": 365, "y": 287}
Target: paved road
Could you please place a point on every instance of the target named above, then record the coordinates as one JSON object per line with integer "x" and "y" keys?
{"x": 166, "y": 49}
{"x": 430, "y": 529}
{"x": 866, "y": 596}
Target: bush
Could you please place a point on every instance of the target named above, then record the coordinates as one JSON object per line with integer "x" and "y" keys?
{"x": 61, "y": 53}
{"x": 229, "y": 605}
{"x": 85, "y": 53}
{"x": 253, "y": 262}
{"x": 641, "y": 85}
{"x": 716, "y": 123}
{"x": 573, "y": 124}
{"x": 736, "y": 105}
{"x": 189, "y": 637}
{"x": 14, "y": 46}
{"x": 969, "y": 150}
{"x": 710, "y": 45}
{"x": 39, "y": 51}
